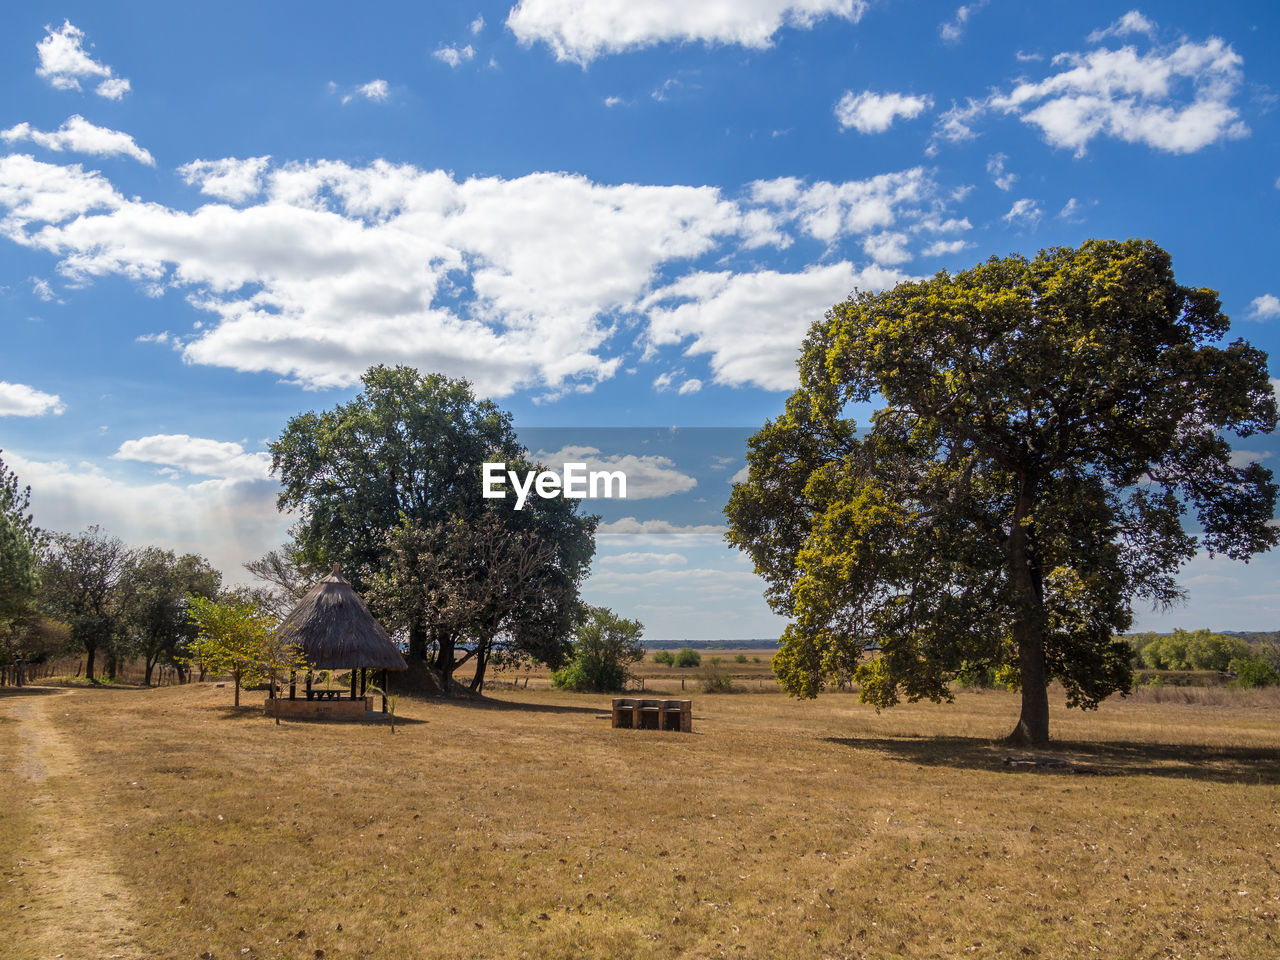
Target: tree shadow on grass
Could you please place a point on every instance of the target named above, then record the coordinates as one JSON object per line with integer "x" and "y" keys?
{"x": 492, "y": 703}
{"x": 28, "y": 691}
{"x": 1242, "y": 765}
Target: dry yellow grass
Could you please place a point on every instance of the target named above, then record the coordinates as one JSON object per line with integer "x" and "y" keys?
{"x": 525, "y": 827}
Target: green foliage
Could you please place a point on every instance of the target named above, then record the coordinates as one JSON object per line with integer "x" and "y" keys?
{"x": 80, "y": 578}
{"x": 664, "y": 657}
{"x": 1254, "y": 672}
{"x": 20, "y": 542}
{"x": 688, "y": 658}
{"x": 1045, "y": 424}
{"x": 714, "y": 678}
{"x": 1198, "y": 650}
{"x": 388, "y": 485}
{"x": 740, "y": 658}
{"x": 604, "y": 646}
{"x": 235, "y": 637}
{"x": 155, "y": 586}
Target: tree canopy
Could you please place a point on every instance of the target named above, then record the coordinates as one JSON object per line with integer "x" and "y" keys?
{"x": 1043, "y": 428}
{"x": 388, "y": 485}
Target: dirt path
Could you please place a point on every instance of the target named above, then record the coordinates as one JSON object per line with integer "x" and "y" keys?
{"x": 77, "y": 906}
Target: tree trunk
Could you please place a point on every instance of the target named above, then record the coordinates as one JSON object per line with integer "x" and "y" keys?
{"x": 1028, "y": 629}
{"x": 146, "y": 679}
{"x": 236, "y": 676}
{"x": 90, "y": 650}
{"x": 482, "y": 663}
{"x": 417, "y": 641}
{"x": 445, "y": 664}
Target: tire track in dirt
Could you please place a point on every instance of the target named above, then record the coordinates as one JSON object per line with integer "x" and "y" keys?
{"x": 79, "y": 907}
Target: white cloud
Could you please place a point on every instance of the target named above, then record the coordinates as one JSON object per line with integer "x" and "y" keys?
{"x": 648, "y": 478}
{"x": 752, "y": 324}
{"x": 228, "y": 521}
{"x": 208, "y": 458}
{"x": 830, "y": 211}
{"x": 887, "y": 248}
{"x": 995, "y": 167}
{"x": 869, "y": 112}
{"x": 512, "y": 283}
{"x": 943, "y": 248}
{"x": 1071, "y": 211}
{"x": 639, "y": 559}
{"x": 1134, "y": 97}
{"x": 1265, "y": 307}
{"x": 1171, "y": 98}
{"x": 477, "y": 24}
{"x": 613, "y": 101}
{"x": 80, "y": 136}
{"x": 743, "y": 475}
{"x": 692, "y": 385}
{"x": 227, "y": 179}
{"x": 1024, "y": 212}
{"x": 455, "y": 56}
{"x": 581, "y": 32}
{"x": 375, "y": 90}
{"x": 20, "y": 400}
{"x": 953, "y": 30}
{"x": 114, "y": 88}
{"x": 64, "y": 62}
{"x": 40, "y": 287}
{"x": 1132, "y": 22}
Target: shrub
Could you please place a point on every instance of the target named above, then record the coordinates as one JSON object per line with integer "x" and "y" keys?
{"x": 1254, "y": 672}
{"x": 688, "y": 658}
{"x": 715, "y": 678}
{"x": 604, "y": 646}
{"x": 740, "y": 658}
{"x": 664, "y": 656}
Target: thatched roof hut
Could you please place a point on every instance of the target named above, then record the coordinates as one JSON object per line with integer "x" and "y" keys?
{"x": 336, "y": 631}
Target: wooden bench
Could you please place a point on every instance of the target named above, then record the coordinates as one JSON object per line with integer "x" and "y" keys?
{"x": 640, "y": 714}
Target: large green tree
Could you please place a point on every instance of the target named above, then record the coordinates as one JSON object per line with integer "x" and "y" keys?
{"x": 81, "y": 577}
{"x": 155, "y": 587}
{"x": 20, "y": 542}
{"x": 389, "y": 486}
{"x": 1044, "y": 426}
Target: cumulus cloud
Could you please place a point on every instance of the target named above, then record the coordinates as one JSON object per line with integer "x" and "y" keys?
{"x": 941, "y": 248}
{"x": 20, "y": 400}
{"x": 512, "y": 283}
{"x": 80, "y": 136}
{"x": 64, "y": 62}
{"x": 581, "y": 32}
{"x": 1132, "y": 22}
{"x": 1133, "y": 97}
{"x": 1171, "y": 98}
{"x": 692, "y": 385}
{"x": 752, "y": 324}
{"x": 455, "y": 56}
{"x": 227, "y": 179}
{"x": 869, "y": 112}
{"x": 648, "y": 477}
{"x": 477, "y": 24}
{"x": 207, "y": 458}
{"x": 1265, "y": 307}
{"x": 375, "y": 90}
{"x": 227, "y": 520}
{"x": 1023, "y": 213}
{"x": 1071, "y": 211}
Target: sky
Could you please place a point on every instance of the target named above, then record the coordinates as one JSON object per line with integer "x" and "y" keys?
{"x": 614, "y": 218}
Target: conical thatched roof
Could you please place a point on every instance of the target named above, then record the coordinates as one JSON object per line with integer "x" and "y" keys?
{"x": 336, "y": 630}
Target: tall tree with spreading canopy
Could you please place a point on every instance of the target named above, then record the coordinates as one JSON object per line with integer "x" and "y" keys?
{"x": 1045, "y": 425}
{"x": 374, "y": 479}
{"x": 155, "y": 587}
{"x": 20, "y": 543}
{"x": 80, "y": 585}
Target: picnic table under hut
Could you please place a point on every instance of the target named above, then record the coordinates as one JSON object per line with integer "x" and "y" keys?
{"x": 335, "y": 631}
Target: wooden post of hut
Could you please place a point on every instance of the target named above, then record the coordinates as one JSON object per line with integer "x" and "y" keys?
{"x": 335, "y": 631}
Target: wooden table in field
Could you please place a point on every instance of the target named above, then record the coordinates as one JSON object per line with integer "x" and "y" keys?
{"x": 640, "y": 714}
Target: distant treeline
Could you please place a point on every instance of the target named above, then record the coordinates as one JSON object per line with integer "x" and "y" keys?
{"x": 768, "y": 644}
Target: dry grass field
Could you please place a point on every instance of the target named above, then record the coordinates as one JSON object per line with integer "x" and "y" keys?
{"x": 164, "y": 823}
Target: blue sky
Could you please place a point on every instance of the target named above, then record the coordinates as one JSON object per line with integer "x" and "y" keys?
{"x": 613, "y": 217}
